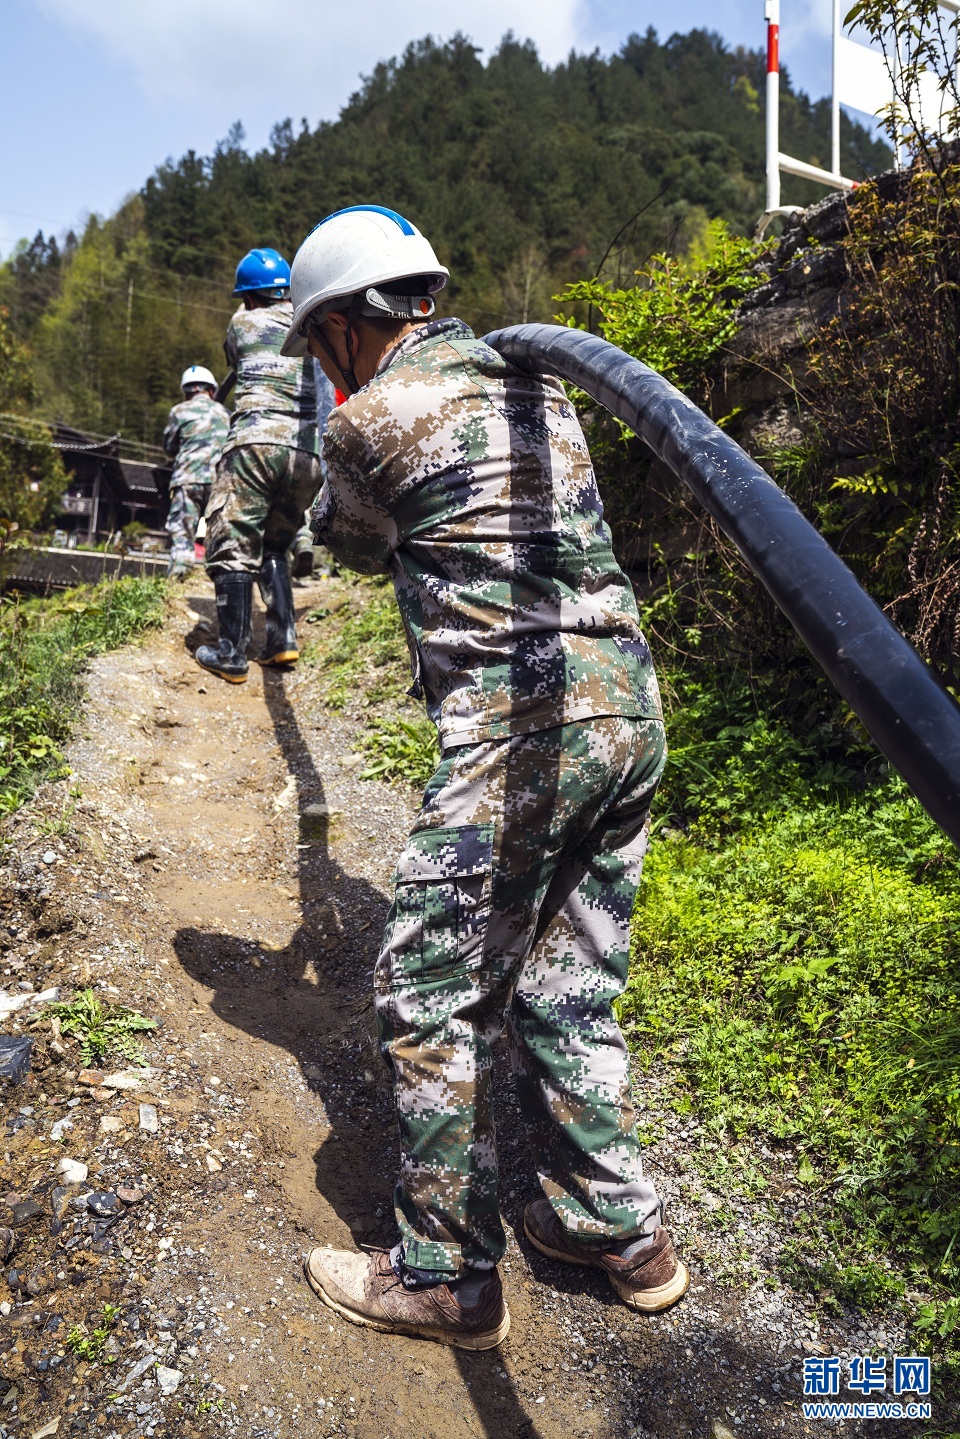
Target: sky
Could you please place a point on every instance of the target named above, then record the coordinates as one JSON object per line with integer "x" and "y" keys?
{"x": 94, "y": 94}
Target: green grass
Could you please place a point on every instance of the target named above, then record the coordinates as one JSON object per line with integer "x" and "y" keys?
{"x": 360, "y": 651}
{"x": 362, "y": 655}
{"x": 797, "y": 960}
{"x": 44, "y": 648}
{"x": 401, "y": 749}
{"x": 90, "y": 1346}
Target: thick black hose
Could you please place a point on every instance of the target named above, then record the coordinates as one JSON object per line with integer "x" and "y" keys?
{"x": 896, "y": 695}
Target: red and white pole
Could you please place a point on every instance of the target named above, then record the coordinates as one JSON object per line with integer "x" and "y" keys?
{"x": 771, "y": 10}
{"x": 835, "y": 97}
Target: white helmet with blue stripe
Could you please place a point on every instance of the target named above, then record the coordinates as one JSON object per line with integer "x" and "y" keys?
{"x": 197, "y": 375}
{"x": 348, "y": 256}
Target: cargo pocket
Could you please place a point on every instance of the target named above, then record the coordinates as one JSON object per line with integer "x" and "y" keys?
{"x": 442, "y": 902}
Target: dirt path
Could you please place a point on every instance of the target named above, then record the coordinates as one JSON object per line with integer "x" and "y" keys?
{"x": 227, "y": 871}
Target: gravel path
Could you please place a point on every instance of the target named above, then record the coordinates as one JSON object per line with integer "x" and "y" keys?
{"x": 227, "y": 872}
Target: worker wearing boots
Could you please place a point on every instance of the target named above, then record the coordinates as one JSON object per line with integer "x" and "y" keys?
{"x": 194, "y": 438}
{"x": 470, "y": 483}
{"x": 268, "y": 476}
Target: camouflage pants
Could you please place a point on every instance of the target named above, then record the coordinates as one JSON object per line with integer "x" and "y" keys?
{"x": 257, "y": 505}
{"x": 513, "y": 904}
{"x": 187, "y": 504}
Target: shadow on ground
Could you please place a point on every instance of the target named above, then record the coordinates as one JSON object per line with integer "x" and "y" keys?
{"x": 314, "y": 998}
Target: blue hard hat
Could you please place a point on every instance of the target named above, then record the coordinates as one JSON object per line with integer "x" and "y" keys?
{"x": 262, "y": 270}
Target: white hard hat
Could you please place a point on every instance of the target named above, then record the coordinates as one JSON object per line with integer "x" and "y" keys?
{"x": 197, "y": 375}
{"x": 353, "y": 251}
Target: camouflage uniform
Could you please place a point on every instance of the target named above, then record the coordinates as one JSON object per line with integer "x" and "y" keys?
{"x": 194, "y": 437}
{"x": 270, "y": 470}
{"x": 472, "y": 485}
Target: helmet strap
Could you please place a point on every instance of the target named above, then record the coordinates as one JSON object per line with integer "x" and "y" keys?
{"x": 356, "y": 305}
{"x": 349, "y": 378}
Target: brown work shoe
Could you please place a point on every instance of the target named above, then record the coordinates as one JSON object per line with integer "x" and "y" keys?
{"x": 364, "y": 1289}
{"x": 651, "y": 1280}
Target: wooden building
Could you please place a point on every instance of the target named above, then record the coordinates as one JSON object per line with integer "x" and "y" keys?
{"x": 105, "y": 492}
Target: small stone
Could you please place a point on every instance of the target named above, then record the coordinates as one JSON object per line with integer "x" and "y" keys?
{"x": 5, "y": 1308}
{"x": 15, "y": 1052}
{"x": 140, "y": 1368}
{"x": 48, "y": 1430}
{"x": 314, "y": 823}
{"x": 103, "y": 1203}
{"x": 90, "y": 1077}
{"x": 7, "y": 1242}
{"x": 168, "y": 1379}
{"x": 149, "y": 1120}
{"x": 23, "y": 1213}
{"x": 59, "y": 1201}
{"x": 720, "y": 1431}
{"x": 111, "y": 1123}
{"x": 213, "y": 1164}
{"x": 50, "y": 857}
{"x": 60, "y": 1128}
{"x": 73, "y": 1171}
{"x": 127, "y": 1079}
{"x": 129, "y": 1193}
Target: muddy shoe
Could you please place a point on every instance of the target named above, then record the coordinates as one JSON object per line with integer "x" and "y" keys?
{"x": 366, "y": 1289}
{"x": 651, "y": 1279}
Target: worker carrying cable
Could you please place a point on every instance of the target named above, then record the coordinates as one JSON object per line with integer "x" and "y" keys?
{"x": 268, "y": 475}
{"x": 194, "y": 438}
{"x": 470, "y": 483}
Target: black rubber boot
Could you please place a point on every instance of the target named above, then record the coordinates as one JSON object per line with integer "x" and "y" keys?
{"x": 277, "y": 592}
{"x": 228, "y": 658}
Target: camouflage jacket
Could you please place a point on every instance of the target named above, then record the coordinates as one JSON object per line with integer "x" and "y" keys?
{"x": 471, "y": 483}
{"x": 194, "y": 438}
{"x": 275, "y": 402}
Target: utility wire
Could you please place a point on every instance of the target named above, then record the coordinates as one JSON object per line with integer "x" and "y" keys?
{"x": 98, "y": 442}
{"x": 152, "y": 295}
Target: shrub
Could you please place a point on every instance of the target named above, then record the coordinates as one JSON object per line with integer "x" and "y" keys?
{"x": 44, "y": 646}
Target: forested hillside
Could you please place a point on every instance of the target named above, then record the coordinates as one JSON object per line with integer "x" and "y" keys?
{"x": 525, "y": 178}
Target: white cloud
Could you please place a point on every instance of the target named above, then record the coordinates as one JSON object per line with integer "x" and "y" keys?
{"x": 293, "y": 56}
